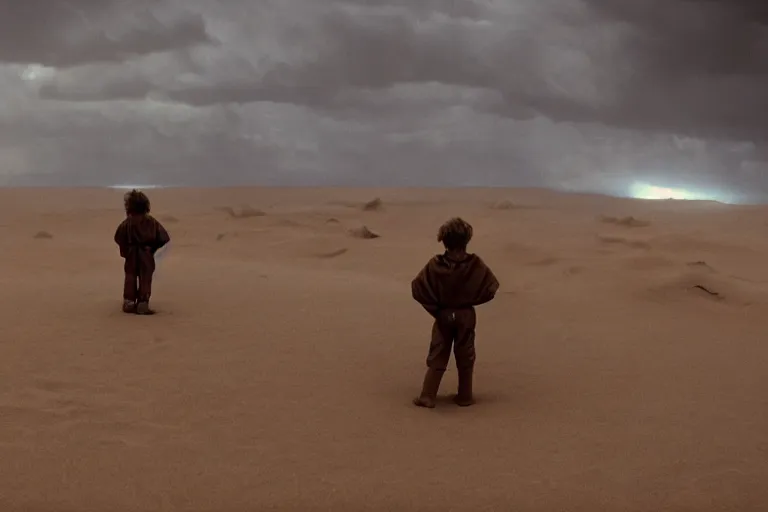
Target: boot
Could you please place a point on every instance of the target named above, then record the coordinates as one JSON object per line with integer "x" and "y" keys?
{"x": 464, "y": 398}
{"x": 142, "y": 308}
{"x": 129, "y": 306}
{"x": 429, "y": 389}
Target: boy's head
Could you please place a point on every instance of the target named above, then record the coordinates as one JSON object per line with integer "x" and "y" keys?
{"x": 455, "y": 234}
{"x": 136, "y": 203}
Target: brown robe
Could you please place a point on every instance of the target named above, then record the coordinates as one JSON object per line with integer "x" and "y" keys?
{"x": 449, "y": 290}
{"x": 139, "y": 238}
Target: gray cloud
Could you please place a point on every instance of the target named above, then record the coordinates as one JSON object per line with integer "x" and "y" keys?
{"x": 585, "y": 94}
{"x": 700, "y": 66}
{"x": 73, "y": 32}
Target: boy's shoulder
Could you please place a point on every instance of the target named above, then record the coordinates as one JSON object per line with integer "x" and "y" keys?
{"x": 147, "y": 219}
{"x": 443, "y": 259}
{"x": 139, "y": 220}
{"x": 477, "y": 258}
{"x": 442, "y": 263}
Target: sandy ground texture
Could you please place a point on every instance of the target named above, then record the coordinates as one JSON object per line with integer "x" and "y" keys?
{"x": 622, "y": 367}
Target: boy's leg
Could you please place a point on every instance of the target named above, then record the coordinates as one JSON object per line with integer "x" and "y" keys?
{"x": 130, "y": 293}
{"x": 437, "y": 361}
{"x": 144, "y": 293}
{"x": 464, "y": 351}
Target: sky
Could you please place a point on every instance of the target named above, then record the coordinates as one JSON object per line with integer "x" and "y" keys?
{"x": 583, "y": 95}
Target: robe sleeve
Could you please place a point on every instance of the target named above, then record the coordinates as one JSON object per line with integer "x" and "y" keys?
{"x": 161, "y": 237}
{"x": 121, "y": 238}
{"x": 424, "y": 290}
{"x": 488, "y": 285}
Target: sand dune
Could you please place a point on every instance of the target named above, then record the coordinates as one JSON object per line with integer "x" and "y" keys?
{"x": 622, "y": 366}
{"x": 629, "y": 221}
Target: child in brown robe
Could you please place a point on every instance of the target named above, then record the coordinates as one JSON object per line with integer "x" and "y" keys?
{"x": 449, "y": 287}
{"x": 139, "y": 237}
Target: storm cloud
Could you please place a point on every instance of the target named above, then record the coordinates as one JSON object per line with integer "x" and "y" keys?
{"x": 581, "y": 95}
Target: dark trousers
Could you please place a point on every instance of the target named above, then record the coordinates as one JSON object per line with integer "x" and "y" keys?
{"x": 138, "y": 288}
{"x": 453, "y": 329}
{"x": 139, "y": 269}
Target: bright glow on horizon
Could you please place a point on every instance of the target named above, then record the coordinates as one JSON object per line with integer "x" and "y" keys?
{"x": 639, "y": 190}
{"x": 647, "y": 191}
{"x": 131, "y": 187}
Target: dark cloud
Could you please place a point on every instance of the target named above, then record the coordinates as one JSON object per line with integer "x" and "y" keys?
{"x": 673, "y": 65}
{"x": 368, "y": 50}
{"x": 755, "y": 11}
{"x": 700, "y": 66}
{"x": 584, "y": 95}
{"x": 72, "y": 32}
{"x": 681, "y": 37}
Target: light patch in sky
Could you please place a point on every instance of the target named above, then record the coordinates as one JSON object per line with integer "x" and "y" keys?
{"x": 137, "y": 187}
{"x": 647, "y": 191}
{"x": 35, "y": 72}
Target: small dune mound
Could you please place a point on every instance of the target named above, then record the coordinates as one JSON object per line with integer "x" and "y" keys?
{"x": 627, "y": 222}
{"x": 706, "y": 290}
{"x": 244, "y": 212}
{"x": 168, "y": 219}
{"x": 43, "y": 235}
{"x": 707, "y": 284}
{"x": 505, "y": 205}
{"x": 364, "y": 233}
{"x": 626, "y": 242}
{"x": 333, "y": 254}
{"x": 701, "y": 265}
{"x": 333, "y": 220}
{"x": 696, "y": 284}
{"x": 220, "y": 236}
{"x": 374, "y": 205}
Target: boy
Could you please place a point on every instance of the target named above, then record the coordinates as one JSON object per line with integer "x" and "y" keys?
{"x": 139, "y": 237}
{"x": 449, "y": 287}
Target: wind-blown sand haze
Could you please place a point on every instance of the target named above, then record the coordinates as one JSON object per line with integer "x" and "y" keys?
{"x": 622, "y": 366}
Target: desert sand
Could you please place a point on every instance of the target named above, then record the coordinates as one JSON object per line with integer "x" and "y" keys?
{"x": 622, "y": 367}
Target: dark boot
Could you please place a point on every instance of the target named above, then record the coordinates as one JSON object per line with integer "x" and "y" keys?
{"x": 129, "y": 306}
{"x": 142, "y": 308}
{"x": 429, "y": 389}
{"x": 464, "y": 398}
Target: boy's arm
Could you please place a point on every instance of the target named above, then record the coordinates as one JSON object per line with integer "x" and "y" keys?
{"x": 432, "y": 310}
{"x": 488, "y": 287}
{"x": 161, "y": 237}
{"x": 424, "y": 291}
{"x": 121, "y": 235}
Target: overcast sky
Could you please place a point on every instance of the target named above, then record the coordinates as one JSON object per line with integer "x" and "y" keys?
{"x": 580, "y": 94}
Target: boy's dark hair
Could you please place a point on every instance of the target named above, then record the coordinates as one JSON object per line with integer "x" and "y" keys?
{"x": 136, "y": 203}
{"x": 455, "y": 234}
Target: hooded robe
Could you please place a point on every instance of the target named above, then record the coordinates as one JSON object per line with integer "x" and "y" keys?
{"x": 449, "y": 290}
{"x": 139, "y": 238}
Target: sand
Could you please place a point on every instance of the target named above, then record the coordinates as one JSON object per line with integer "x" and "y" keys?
{"x": 622, "y": 367}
